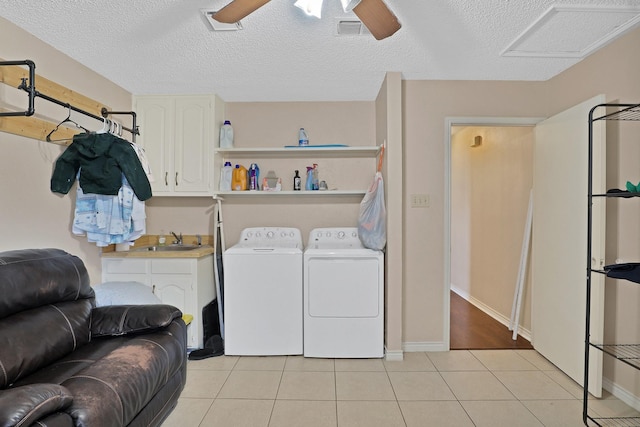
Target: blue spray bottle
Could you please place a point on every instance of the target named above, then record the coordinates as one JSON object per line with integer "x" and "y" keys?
{"x": 309, "y": 183}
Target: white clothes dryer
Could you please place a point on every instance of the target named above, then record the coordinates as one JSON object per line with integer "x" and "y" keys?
{"x": 263, "y": 293}
{"x": 343, "y": 296}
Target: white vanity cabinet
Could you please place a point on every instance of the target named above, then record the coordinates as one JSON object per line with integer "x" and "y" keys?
{"x": 178, "y": 134}
{"x": 186, "y": 283}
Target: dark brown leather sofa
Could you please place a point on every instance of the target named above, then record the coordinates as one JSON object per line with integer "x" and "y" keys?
{"x": 64, "y": 362}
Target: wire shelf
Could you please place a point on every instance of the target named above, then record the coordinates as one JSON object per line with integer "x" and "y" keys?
{"x": 616, "y": 422}
{"x": 628, "y": 353}
{"x": 629, "y": 113}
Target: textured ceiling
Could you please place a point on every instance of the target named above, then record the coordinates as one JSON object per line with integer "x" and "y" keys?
{"x": 165, "y": 46}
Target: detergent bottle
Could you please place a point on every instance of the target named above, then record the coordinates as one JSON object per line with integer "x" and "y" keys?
{"x": 226, "y": 135}
{"x": 254, "y": 177}
{"x": 226, "y": 176}
{"x": 239, "y": 179}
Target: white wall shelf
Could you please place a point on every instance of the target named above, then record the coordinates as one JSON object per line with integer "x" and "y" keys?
{"x": 321, "y": 151}
{"x": 307, "y": 193}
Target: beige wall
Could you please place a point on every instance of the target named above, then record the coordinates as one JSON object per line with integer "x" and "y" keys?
{"x": 30, "y": 215}
{"x": 613, "y": 71}
{"x": 389, "y": 134}
{"x": 490, "y": 187}
{"x": 276, "y": 125}
{"x": 426, "y": 104}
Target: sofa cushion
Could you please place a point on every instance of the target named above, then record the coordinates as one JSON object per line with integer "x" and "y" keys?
{"x": 35, "y": 338}
{"x": 23, "y": 406}
{"x": 115, "y": 388}
{"x": 127, "y": 319}
{"x": 31, "y": 278}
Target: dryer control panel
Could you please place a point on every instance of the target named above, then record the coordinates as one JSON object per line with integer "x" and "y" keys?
{"x": 336, "y": 236}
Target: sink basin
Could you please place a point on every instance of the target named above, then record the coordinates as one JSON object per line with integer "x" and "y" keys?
{"x": 168, "y": 248}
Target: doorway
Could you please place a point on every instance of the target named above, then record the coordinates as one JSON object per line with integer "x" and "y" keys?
{"x": 491, "y": 176}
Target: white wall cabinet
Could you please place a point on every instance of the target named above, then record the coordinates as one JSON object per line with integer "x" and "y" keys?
{"x": 178, "y": 134}
{"x": 184, "y": 283}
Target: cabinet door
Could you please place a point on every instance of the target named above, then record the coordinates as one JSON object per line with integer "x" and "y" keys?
{"x": 177, "y": 290}
{"x": 156, "y": 120}
{"x": 193, "y": 145}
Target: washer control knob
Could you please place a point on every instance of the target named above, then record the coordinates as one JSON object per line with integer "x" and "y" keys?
{"x": 249, "y": 234}
{"x": 319, "y": 235}
{"x": 354, "y": 234}
{"x": 270, "y": 234}
{"x": 258, "y": 234}
{"x": 341, "y": 235}
{"x": 328, "y": 234}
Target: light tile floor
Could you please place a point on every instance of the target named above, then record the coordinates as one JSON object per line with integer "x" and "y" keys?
{"x": 514, "y": 388}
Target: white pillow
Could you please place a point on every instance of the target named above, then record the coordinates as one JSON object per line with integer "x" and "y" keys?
{"x": 118, "y": 293}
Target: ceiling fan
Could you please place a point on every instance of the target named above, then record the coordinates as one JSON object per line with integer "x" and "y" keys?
{"x": 374, "y": 14}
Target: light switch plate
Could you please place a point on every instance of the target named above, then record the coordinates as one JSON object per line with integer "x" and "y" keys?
{"x": 419, "y": 200}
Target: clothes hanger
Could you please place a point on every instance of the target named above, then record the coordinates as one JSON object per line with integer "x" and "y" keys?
{"x": 106, "y": 125}
{"x": 67, "y": 120}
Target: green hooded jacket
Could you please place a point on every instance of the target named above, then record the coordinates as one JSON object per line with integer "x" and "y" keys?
{"x": 101, "y": 158}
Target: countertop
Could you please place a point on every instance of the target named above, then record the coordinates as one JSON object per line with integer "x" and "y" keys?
{"x": 152, "y": 240}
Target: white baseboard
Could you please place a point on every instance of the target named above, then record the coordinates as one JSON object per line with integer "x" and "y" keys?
{"x": 393, "y": 356}
{"x": 621, "y": 393}
{"x": 424, "y": 346}
{"x": 524, "y": 333}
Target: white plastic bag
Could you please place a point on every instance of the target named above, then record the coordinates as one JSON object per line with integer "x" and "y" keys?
{"x": 372, "y": 228}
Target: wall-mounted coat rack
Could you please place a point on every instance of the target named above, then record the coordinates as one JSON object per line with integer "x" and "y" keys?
{"x": 15, "y": 72}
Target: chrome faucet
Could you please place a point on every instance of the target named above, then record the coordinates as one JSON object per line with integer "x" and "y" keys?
{"x": 178, "y": 240}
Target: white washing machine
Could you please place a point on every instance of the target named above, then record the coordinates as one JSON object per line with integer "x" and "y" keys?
{"x": 343, "y": 296}
{"x": 263, "y": 293}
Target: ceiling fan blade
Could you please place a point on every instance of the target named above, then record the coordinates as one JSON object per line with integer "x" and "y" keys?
{"x": 238, "y": 9}
{"x": 377, "y": 17}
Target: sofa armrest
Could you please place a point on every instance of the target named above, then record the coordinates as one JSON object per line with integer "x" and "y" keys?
{"x": 23, "y": 406}
{"x": 117, "y": 320}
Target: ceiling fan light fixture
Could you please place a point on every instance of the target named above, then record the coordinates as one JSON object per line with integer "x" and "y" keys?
{"x": 310, "y": 7}
{"x": 348, "y": 5}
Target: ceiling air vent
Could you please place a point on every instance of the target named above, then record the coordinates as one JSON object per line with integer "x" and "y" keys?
{"x": 219, "y": 26}
{"x": 350, "y": 27}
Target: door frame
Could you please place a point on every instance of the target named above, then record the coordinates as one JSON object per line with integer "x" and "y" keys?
{"x": 463, "y": 121}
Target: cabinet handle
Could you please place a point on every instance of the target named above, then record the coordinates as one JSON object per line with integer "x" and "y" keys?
{"x": 153, "y": 289}
{"x": 176, "y": 179}
{"x": 166, "y": 176}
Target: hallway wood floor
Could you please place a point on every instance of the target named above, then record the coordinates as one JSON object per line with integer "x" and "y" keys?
{"x": 472, "y": 329}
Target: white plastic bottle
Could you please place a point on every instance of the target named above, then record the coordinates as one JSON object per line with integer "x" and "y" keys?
{"x": 226, "y": 135}
{"x": 303, "y": 139}
{"x": 225, "y": 177}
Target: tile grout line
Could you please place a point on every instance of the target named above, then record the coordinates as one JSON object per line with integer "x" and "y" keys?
{"x": 512, "y": 393}
{"x": 404, "y": 420}
{"x": 275, "y": 398}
